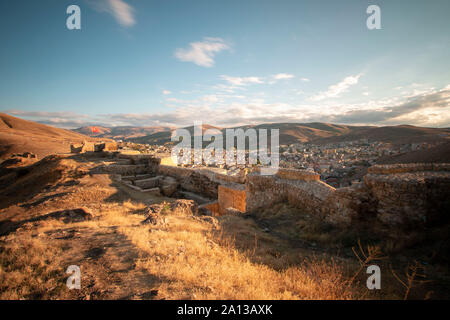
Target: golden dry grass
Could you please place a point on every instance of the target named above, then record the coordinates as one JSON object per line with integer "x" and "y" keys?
{"x": 198, "y": 265}
{"x": 187, "y": 258}
{"x": 30, "y": 269}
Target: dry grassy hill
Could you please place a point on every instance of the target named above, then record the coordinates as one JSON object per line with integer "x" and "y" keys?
{"x": 289, "y": 132}
{"x": 438, "y": 154}
{"x": 164, "y": 137}
{"x": 63, "y": 211}
{"x": 393, "y": 134}
{"x": 322, "y": 133}
{"x": 18, "y": 136}
{"x": 121, "y": 132}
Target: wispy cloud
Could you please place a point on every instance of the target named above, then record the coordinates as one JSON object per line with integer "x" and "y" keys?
{"x": 431, "y": 108}
{"x": 166, "y": 92}
{"x": 416, "y": 109}
{"x": 119, "y": 9}
{"x": 241, "y": 81}
{"x": 337, "y": 89}
{"x": 202, "y": 53}
{"x": 281, "y": 76}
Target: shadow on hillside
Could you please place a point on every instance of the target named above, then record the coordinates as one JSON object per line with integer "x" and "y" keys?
{"x": 67, "y": 216}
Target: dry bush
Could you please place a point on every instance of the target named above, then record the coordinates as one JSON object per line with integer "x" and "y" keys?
{"x": 414, "y": 274}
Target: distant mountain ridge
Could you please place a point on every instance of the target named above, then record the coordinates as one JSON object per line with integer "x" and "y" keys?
{"x": 120, "y": 132}
{"x": 18, "y": 135}
{"x": 323, "y": 133}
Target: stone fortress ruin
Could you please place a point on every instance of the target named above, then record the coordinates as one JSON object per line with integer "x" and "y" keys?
{"x": 403, "y": 194}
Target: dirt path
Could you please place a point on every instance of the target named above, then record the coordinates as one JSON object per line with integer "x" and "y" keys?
{"x": 107, "y": 260}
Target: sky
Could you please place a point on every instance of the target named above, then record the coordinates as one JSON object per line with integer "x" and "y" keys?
{"x": 225, "y": 62}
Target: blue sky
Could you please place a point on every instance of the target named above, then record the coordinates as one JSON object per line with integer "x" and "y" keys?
{"x": 170, "y": 62}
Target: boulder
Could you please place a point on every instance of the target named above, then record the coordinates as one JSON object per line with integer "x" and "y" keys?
{"x": 88, "y": 146}
{"x": 168, "y": 186}
{"x": 105, "y": 146}
{"x": 183, "y": 207}
{"x": 155, "y": 219}
{"x": 98, "y": 147}
{"x": 76, "y": 148}
{"x": 178, "y": 207}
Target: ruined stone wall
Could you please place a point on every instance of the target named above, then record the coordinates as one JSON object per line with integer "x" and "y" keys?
{"x": 264, "y": 191}
{"x": 410, "y": 194}
{"x": 232, "y": 196}
{"x": 410, "y": 167}
{"x": 406, "y": 195}
{"x": 191, "y": 180}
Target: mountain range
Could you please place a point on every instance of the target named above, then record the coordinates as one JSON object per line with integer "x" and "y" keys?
{"x": 19, "y": 135}
{"x": 316, "y": 132}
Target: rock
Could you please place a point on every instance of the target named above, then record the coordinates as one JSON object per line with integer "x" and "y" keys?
{"x": 233, "y": 212}
{"x": 76, "y": 148}
{"x": 73, "y": 215}
{"x": 111, "y": 146}
{"x": 11, "y": 161}
{"x": 168, "y": 186}
{"x": 147, "y": 183}
{"x": 27, "y": 155}
{"x": 154, "y": 292}
{"x": 184, "y": 207}
{"x": 98, "y": 147}
{"x": 178, "y": 207}
{"x": 155, "y": 219}
{"x": 105, "y": 146}
{"x": 88, "y": 146}
{"x": 211, "y": 220}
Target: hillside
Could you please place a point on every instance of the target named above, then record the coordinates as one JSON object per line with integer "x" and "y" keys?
{"x": 289, "y": 132}
{"x": 120, "y": 132}
{"x": 322, "y": 133}
{"x": 18, "y": 136}
{"x": 438, "y": 154}
{"x": 392, "y": 134}
{"x": 305, "y": 132}
{"x": 165, "y": 136}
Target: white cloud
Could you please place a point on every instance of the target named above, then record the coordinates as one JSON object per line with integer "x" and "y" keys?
{"x": 430, "y": 109}
{"x": 119, "y": 9}
{"x": 166, "y": 92}
{"x": 212, "y": 98}
{"x": 281, "y": 76}
{"x": 337, "y": 89}
{"x": 202, "y": 53}
{"x": 241, "y": 81}
{"x": 305, "y": 79}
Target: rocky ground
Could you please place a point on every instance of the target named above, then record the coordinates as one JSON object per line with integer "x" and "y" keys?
{"x": 63, "y": 211}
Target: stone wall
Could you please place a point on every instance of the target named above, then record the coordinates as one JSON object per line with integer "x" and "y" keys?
{"x": 411, "y": 194}
{"x": 232, "y": 196}
{"x": 410, "y": 167}
{"x": 191, "y": 179}
{"x": 264, "y": 191}
{"x": 396, "y": 195}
